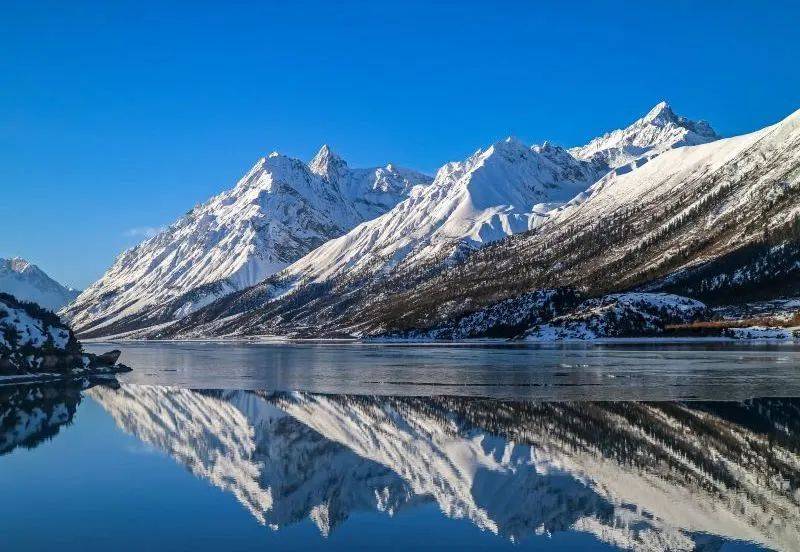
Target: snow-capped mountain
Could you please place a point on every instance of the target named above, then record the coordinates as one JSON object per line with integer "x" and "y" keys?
{"x": 370, "y": 192}
{"x": 593, "y": 225}
{"x": 279, "y": 211}
{"x": 661, "y": 129}
{"x": 711, "y": 205}
{"x": 27, "y": 282}
{"x": 501, "y": 190}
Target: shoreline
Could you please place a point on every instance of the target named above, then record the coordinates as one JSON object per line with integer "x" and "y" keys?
{"x": 274, "y": 340}
{"x": 52, "y": 377}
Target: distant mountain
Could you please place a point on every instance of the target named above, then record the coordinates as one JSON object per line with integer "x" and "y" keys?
{"x": 279, "y": 211}
{"x": 27, "y": 282}
{"x": 661, "y": 129}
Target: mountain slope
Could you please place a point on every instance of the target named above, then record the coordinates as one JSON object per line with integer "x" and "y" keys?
{"x": 280, "y": 210}
{"x": 681, "y": 210}
{"x": 27, "y": 282}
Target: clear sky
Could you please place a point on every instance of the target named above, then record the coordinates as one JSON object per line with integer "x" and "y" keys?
{"x": 119, "y": 116}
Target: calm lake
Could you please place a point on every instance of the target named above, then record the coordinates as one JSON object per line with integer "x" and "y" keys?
{"x": 297, "y": 446}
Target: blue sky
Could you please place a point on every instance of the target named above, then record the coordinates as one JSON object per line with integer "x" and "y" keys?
{"x": 120, "y": 116}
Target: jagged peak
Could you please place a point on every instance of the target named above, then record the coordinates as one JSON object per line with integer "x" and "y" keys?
{"x": 662, "y": 115}
{"x": 326, "y": 163}
{"x": 20, "y": 265}
{"x": 660, "y": 112}
{"x": 510, "y": 144}
{"x": 548, "y": 147}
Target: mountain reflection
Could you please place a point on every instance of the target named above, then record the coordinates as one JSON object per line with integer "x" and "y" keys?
{"x": 31, "y": 414}
{"x": 640, "y": 476}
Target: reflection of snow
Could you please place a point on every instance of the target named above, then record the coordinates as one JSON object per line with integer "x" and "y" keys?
{"x": 30, "y": 414}
{"x": 278, "y": 468}
{"x": 639, "y": 476}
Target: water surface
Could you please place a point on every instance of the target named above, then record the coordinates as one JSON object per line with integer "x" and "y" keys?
{"x": 329, "y": 446}
{"x": 633, "y": 371}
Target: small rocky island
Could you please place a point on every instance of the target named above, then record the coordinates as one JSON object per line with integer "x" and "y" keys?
{"x": 35, "y": 345}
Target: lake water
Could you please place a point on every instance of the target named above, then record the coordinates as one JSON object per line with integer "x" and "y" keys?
{"x": 297, "y": 446}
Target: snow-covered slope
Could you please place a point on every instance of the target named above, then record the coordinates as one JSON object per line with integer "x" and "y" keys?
{"x": 34, "y": 340}
{"x": 601, "y": 225}
{"x": 685, "y": 208}
{"x": 27, "y": 282}
{"x": 661, "y": 129}
{"x": 279, "y": 211}
{"x": 36, "y": 344}
{"x": 501, "y": 190}
{"x": 620, "y": 315}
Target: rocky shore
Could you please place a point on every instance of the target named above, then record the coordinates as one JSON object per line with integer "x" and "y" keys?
{"x": 35, "y": 345}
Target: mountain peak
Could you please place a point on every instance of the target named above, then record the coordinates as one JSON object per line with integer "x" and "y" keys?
{"x": 326, "y": 163}
{"x": 28, "y": 282}
{"x": 20, "y": 265}
{"x": 659, "y": 130}
{"x": 325, "y": 152}
{"x": 661, "y": 112}
{"x": 510, "y": 144}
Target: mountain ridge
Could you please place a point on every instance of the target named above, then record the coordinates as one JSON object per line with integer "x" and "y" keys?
{"x": 278, "y": 211}
{"x": 27, "y": 282}
{"x": 687, "y": 205}
{"x": 512, "y": 219}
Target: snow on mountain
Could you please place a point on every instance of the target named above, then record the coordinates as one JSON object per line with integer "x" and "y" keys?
{"x": 501, "y": 190}
{"x": 27, "y": 282}
{"x": 642, "y": 203}
{"x": 620, "y": 315}
{"x": 661, "y": 129}
{"x": 36, "y": 344}
{"x": 371, "y": 192}
{"x": 685, "y": 208}
{"x": 279, "y": 211}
